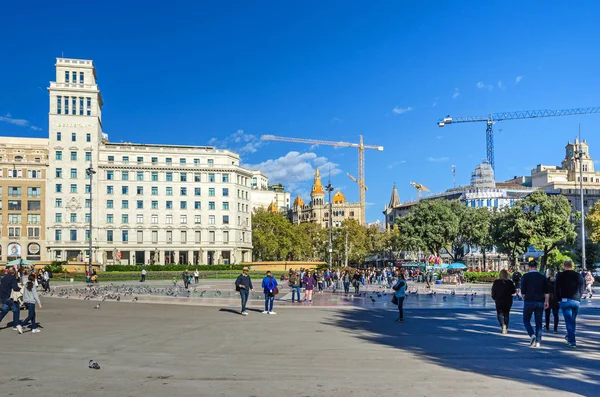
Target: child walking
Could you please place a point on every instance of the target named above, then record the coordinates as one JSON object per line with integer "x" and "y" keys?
{"x": 30, "y": 298}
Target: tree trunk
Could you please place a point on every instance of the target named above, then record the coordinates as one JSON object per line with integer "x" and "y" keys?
{"x": 484, "y": 258}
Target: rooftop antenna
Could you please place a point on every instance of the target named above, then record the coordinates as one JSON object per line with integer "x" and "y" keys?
{"x": 454, "y": 175}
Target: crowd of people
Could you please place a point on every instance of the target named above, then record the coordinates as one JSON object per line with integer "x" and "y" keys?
{"x": 19, "y": 287}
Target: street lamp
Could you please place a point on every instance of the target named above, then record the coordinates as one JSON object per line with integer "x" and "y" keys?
{"x": 90, "y": 173}
{"x": 329, "y": 189}
{"x": 580, "y": 153}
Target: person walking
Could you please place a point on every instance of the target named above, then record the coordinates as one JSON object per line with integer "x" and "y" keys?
{"x": 399, "y": 294}
{"x": 554, "y": 306}
{"x": 243, "y": 284}
{"x": 319, "y": 280}
{"x": 516, "y": 278}
{"x": 356, "y": 282}
{"x": 309, "y": 285}
{"x": 536, "y": 295}
{"x": 269, "y": 285}
{"x": 568, "y": 290}
{"x": 294, "y": 283}
{"x": 8, "y": 285}
{"x": 346, "y": 281}
{"x": 589, "y": 281}
{"x": 30, "y": 298}
{"x": 143, "y": 280}
{"x": 196, "y": 276}
{"x": 186, "y": 278}
{"x": 503, "y": 290}
{"x": 46, "y": 278}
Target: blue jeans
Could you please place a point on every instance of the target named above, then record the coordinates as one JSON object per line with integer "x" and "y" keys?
{"x": 401, "y": 307}
{"x": 296, "y": 291}
{"x": 269, "y": 302}
{"x": 244, "y": 294}
{"x": 569, "y": 309}
{"x": 31, "y": 315}
{"x": 537, "y": 309}
{"x": 346, "y": 287}
{"x": 7, "y": 305}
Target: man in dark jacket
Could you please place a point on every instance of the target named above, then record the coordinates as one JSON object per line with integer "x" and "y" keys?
{"x": 568, "y": 290}
{"x": 7, "y": 285}
{"x": 243, "y": 284}
{"x": 536, "y": 294}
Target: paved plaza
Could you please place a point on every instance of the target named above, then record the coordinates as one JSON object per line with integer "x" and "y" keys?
{"x": 146, "y": 349}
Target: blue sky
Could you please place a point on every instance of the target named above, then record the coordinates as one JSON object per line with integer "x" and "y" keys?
{"x": 199, "y": 73}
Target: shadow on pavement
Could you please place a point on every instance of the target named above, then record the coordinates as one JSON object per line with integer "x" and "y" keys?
{"x": 470, "y": 341}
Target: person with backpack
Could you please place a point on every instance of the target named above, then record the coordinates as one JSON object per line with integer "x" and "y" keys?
{"x": 399, "y": 295}
{"x": 243, "y": 284}
{"x": 294, "y": 283}
{"x": 269, "y": 285}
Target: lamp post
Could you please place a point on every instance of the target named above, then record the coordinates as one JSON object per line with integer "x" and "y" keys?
{"x": 90, "y": 173}
{"x": 329, "y": 189}
{"x": 580, "y": 153}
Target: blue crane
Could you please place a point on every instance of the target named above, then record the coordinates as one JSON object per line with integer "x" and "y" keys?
{"x": 495, "y": 117}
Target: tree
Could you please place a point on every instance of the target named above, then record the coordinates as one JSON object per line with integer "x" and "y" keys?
{"x": 592, "y": 222}
{"x": 358, "y": 247}
{"x": 508, "y": 234}
{"x": 464, "y": 216}
{"x": 272, "y": 236}
{"x": 555, "y": 259}
{"x": 477, "y": 227}
{"x": 547, "y": 221}
{"x": 310, "y": 242}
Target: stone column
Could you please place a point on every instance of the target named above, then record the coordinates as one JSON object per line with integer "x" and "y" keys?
{"x": 191, "y": 256}
{"x": 147, "y": 257}
{"x": 161, "y": 257}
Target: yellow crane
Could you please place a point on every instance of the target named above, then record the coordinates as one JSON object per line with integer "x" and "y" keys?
{"x": 360, "y": 181}
{"x": 419, "y": 188}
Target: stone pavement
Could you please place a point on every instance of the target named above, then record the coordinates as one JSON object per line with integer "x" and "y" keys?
{"x": 158, "y": 350}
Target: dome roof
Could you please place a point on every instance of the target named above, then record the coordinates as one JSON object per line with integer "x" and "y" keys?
{"x": 317, "y": 185}
{"x": 272, "y": 207}
{"x": 298, "y": 201}
{"x": 482, "y": 176}
{"x": 339, "y": 198}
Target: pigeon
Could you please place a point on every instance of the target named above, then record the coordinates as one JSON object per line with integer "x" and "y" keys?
{"x": 93, "y": 365}
{"x": 97, "y": 306}
{"x": 119, "y": 298}
{"x": 135, "y": 299}
{"x": 444, "y": 298}
{"x": 202, "y": 293}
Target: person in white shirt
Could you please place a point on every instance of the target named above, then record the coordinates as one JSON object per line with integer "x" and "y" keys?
{"x": 196, "y": 276}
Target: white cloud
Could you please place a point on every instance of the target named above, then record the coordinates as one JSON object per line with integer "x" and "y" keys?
{"x": 398, "y": 110}
{"x": 435, "y": 101}
{"x": 437, "y": 159}
{"x": 501, "y": 86}
{"x": 481, "y": 84}
{"x": 295, "y": 168}
{"x": 456, "y": 93}
{"x": 396, "y": 163}
{"x": 239, "y": 141}
{"x": 518, "y": 79}
{"x": 336, "y": 120}
{"x": 7, "y": 118}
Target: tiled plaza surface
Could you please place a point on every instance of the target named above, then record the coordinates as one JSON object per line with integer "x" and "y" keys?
{"x": 179, "y": 350}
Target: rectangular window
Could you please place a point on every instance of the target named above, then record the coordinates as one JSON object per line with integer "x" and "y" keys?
{"x": 154, "y": 219}
{"x": 88, "y": 156}
{"x": 210, "y": 162}
{"x": 57, "y": 235}
{"x": 125, "y": 159}
{"x": 140, "y": 160}
{"x": 73, "y": 235}
{"x": 211, "y": 205}
{"x": 73, "y": 217}
{"x": 88, "y": 137}
{"x": 73, "y": 156}
{"x": 211, "y": 178}
{"x": 34, "y": 206}
{"x": 124, "y": 189}
{"x": 225, "y": 178}
{"x": 182, "y": 219}
{"x": 226, "y": 219}
{"x": 183, "y": 177}
{"x": 58, "y": 105}
{"x": 124, "y": 175}
{"x": 169, "y": 219}
{"x": 169, "y": 177}
{"x": 73, "y": 105}
{"x": 226, "y": 205}
{"x": 81, "y": 81}
{"x": 154, "y": 176}
{"x": 73, "y": 188}
{"x": 67, "y": 75}
{"x": 88, "y": 188}
{"x": 183, "y": 191}
{"x": 196, "y": 191}
{"x": 34, "y": 192}
{"x": 111, "y": 159}
{"x": 110, "y": 189}
{"x": 33, "y": 232}
{"x": 66, "y": 105}
{"x": 225, "y": 192}
{"x": 73, "y": 173}
{"x": 140, "y": 236}
{"x": 14, "y": 191}
{"x": 211, "y": 236}
{"x": 58, "y": 188}
{"x": 197, "y": 219}
{"x": 169, "y": 160}
{"x": 109, "y": 218}
{"x": 124, "y": 218}
{"x": 169, "y": 191}
{"x": 140, "y": 204}
{"x": 125, "y": 204}
{"x": 197, "y": 205}
{"x": 211, "y": 219}
{"x": 154, "y": 205}
{"x": 14, "y": 219}
{"x": 87, "y": 218}
{"x": 81, "y": 106}
{"x": 109, "y": 236}
{"x": 211, "y": 192}
{"x": 183, "y": 237}
{"x": 183, "y": 205}
{"x": 58, "y": 218}
{"x": 225, "y": 237}
{"x": 140, "y": 176}
{"x": 155, "y": 190}
{"x": 58, "y": 203}
{"x": 182, "y": 161}
{"x": 89, "y": 106}
{"x": 125, "y": 235}
{"x": 196, "y": 161}
{"x": 33, "y": 219}
{"x": 59, "y": 136}
{"x": 197, "y": 236}
{"x": 169, "y": 205}
{"x": 87, "y": 203}
{"x": 59, "y": 155}
{"x": 169, "y": 236}
{"x": 154, "y": 160}
{"x": 73, "y": 137}
{"x": 74, "y": 77}
{"x": 196, "y": 177}
{"x": 155, "y": 236}
{"x": 139, "y": 190}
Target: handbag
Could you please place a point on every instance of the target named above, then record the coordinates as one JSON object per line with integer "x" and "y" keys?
{"x": 394, "y": 299}
{"x": 275, "y": 291}
{"x": 17, "y": 296}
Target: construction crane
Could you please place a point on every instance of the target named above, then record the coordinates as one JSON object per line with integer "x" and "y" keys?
{"x": 495, "y": 117}
{"x": 360, "y": 181}
{"x": 419, "y": 188}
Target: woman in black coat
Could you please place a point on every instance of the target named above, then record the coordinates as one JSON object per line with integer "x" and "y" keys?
{"x": 503, "y": 290}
